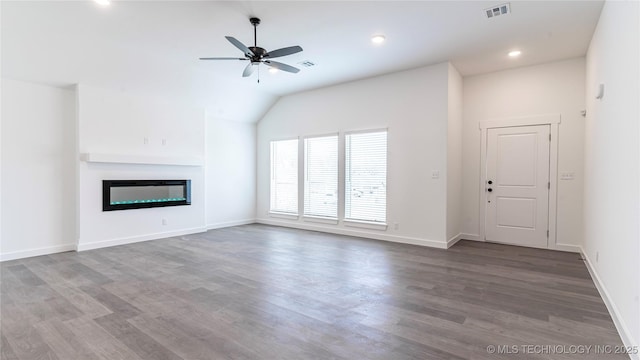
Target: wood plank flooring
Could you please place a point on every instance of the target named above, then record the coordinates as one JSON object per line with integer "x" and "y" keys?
{"x": 262, "y": 292}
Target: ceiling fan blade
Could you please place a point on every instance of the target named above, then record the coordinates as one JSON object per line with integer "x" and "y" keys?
{"x": 248, "y": 70}
{"x": 281, "y": 66}
{"x": 283, "y": 52}
{"x": 245, "y": 50}
{"x": 222, "y": 58}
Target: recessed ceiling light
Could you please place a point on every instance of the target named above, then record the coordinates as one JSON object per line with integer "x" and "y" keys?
{"x": 377, "y": 39}
{"x": 103, "y": 2}
{"x": 273, "y": 70}
{"x": 515, "y": 53}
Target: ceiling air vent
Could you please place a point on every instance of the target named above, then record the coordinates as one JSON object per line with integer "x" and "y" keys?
{"x": 497, "y": 10}
{"x": 307, "y": 63}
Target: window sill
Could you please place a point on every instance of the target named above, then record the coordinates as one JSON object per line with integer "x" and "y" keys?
{"x": 319, "y": 219}
{"x": 282, "y": 215}
{"x": 366, "y": 224}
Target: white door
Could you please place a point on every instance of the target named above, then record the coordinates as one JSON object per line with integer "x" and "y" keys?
{"x": 517, "y": 185}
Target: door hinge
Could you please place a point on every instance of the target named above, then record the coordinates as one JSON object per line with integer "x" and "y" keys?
{"x": 549, "y": 185}
{"x": 549, "y": 137}
{"x": 547, "y": 234}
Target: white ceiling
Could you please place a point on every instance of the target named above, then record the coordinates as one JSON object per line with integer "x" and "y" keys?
{"x": 153, "y": 47}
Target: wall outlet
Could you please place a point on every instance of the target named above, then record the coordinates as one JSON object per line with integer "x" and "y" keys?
{"x": 164, "y": 221}
{"x": 164, "y": 142}
{"x": 396, "y": 226}
{"x": 145, "y": 141}
{"x": 435, "y": 174}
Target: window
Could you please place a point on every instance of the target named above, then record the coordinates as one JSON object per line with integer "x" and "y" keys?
{"x": 321, "y": 176}
{"x": 284, "y": 176}
{"x": 366, "y": 176}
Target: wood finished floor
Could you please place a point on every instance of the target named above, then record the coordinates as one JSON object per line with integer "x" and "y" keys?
{"x": 262, "y": 292}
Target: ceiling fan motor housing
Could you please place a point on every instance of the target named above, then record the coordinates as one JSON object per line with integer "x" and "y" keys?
{"x": 258, "y": 52}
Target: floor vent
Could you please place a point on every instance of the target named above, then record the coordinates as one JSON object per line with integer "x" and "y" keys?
{"x": 497, "y": 10}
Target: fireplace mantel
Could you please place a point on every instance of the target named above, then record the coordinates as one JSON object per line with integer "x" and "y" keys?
{"x": 140, "y": 159}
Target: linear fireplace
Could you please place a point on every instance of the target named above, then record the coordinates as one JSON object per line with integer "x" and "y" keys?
{"x": 137, "y": 194}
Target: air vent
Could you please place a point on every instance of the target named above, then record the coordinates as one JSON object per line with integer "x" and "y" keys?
{"x": 497, "y": 10}
{"x": 307, "y": 63}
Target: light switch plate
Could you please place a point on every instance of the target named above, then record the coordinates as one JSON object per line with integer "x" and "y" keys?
{"x": 567, "y": 176}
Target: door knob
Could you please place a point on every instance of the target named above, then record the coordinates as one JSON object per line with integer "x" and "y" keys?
{"x": 489, "y": 182}
{"x": 489, "y": 189}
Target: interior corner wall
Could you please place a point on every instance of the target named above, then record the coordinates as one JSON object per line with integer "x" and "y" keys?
{"x": 552, "y": 88}
{"x": 413, "y": 106}
{"x": 230, "y": 173}
{"x": 612, "y": 164}
{"x": 117, "y": 122}
{"x": 454, "y": 155}
{"x": 38, "y": 181}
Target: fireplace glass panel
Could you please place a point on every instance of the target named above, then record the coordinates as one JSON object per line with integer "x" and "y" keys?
{"x": 146, "y": 194}
{"x": 135, "y": 194}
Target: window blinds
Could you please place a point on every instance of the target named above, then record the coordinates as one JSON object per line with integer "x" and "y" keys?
{"x": 284, "y": 176}
{"x": 321, "y": 176}
{"x": 366, "y": 176}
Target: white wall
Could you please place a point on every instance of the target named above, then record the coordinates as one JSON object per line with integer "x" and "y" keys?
{"x": 413, "y": 106}
{"x": 542, "y": 89}
{"x": 38, "y": 182}
{"x": 41, "y": 167}
{"x": 1, "y": 86}
{"x": 454, "y": 154}
{"x": 116, "y": 122}
{"x": 612, "y": 170}
{"x": 230, "y": 173}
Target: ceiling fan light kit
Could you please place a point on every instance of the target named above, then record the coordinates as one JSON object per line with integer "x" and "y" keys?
{"x": 257, "y": 55}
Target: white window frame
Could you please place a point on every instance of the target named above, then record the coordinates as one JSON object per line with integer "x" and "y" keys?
{"x": 316, "y": 218}
{"x": 374, "y": 225}
{"x": 278, "y": 213}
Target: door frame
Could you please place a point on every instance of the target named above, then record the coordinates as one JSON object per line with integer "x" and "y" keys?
{"x": 553, "y": 120}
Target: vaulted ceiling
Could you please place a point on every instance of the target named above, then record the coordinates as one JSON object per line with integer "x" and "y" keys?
{"x": 154, "y": 46}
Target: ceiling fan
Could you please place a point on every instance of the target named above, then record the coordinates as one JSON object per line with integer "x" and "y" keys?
{"x": 257, "y": 55}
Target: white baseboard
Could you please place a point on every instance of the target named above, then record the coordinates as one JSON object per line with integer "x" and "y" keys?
{"x": 558, "y": 247}
{"x": 356, "y": 233}
{"x": 618, "y": 320}
{"x": 135, "y": 239}
{"x": 454, "y": 240}
{"x": 37, "y": 252}
{"x": 473, "y": 237}
{"x": 230, "y": 223}
{"x": 566, "y": 247}
{"x": 114, "y": 242}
